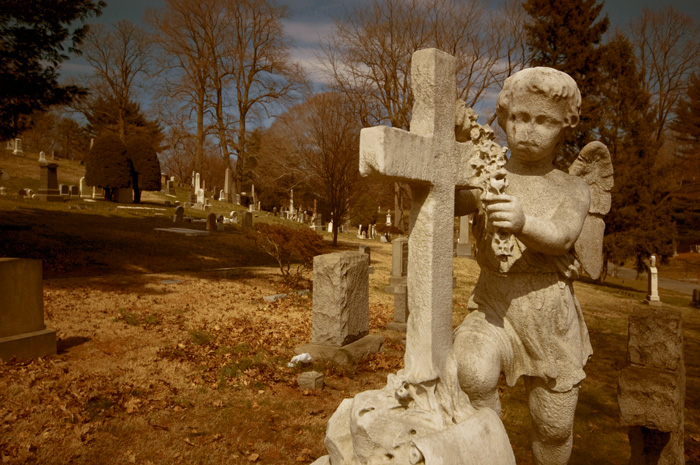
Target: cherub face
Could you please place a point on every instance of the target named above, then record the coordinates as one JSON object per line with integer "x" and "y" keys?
{"x": 535, "y": 126}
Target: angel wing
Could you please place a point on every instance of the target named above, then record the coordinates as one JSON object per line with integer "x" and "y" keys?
{"x": 595, "y": 167}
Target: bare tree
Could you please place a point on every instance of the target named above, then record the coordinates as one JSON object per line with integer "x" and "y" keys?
{"x": 257, "y": 57}
{"x": 119, "y": 56}
{"x": 315, "y": 145}
{"x": 184, "y": 30}
{"x": 667, "y": 43}
{"x": 368, "y": 57}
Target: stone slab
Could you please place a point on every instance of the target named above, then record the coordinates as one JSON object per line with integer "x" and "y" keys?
{"x": 345, "y": 355}
{"x": 395, "y": 326}
{"x": 184, "y": 231}
{"x": 274, "y": 297}
{"x": 655, "y": 338}
{"x": 28, "y": 345}
{"x": 21, "y": 296}
{"x": 651, "y": 398}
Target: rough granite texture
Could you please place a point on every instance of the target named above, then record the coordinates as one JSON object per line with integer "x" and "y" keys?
{"x": 341, "y": 298}
{"x": 655, "y": 338}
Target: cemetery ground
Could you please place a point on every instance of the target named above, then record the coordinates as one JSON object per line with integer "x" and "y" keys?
{"x": 168, "y": 353}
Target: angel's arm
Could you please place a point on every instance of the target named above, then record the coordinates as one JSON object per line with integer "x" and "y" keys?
{"x": 556, "y": 236}
{"x": 553, "y": 236}
{"x": 466, "y": 201}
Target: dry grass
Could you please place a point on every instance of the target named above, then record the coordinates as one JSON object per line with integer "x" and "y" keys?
{"x": 162, "y": 360}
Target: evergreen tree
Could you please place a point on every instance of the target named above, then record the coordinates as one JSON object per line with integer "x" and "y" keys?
{"x": 686, "y": 202}
{"x": 567, "y": 35}
{"x": 106, "y": 165}
{"x": 33, "y": 39}
{"x": 101, "y": 115}
{"x": 144, "y": 166}
{"x": 639, "y": 222}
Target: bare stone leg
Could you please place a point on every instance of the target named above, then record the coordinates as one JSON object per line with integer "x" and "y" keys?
{"x": 478, "y": 368}
{"x": 552, "y": 417}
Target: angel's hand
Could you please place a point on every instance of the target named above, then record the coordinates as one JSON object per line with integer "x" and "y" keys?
{"x": 505, "y": 212}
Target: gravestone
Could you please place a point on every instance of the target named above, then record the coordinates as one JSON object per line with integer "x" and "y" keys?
{"x": 85, "y": 190}
{"x": 211, "y": 222}
{"x": 653, "y": 284}
{"x": 234, "y": 217}
{"x": 22, "y": 331}
{"x": 340, "y": 328}
{"x": 64, "y": 189}
{"x": 398, "y": 283}
{"x": 170, "y": 187}
{"x": 220, "y": 223}
{"x": 222, "y": 196}
{"x": 3, "y": 190}
{"x": 98, "y": 193}
{"x": 163, "y": 179}
{"x": 464, "y": 246}
{"x": 48, "y": 181}
{"x": 18, "y": 148}
{"x": 422, "y": 416}
{"x": 651, "y": 388}
{"x": 247, "y": 220}
{"x": 42, "y": 157}
{"x": 123, "y": 195}
{"x": 74, "y": 191}
{"x": 366, "y": 249}
{"x": 179, "y": 213}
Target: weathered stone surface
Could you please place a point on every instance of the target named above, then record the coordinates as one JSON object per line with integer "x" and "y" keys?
{"x": 48, "y": 190}
{"x": 341, "y": 298}
{"x": 651, "y": 398}
{"x": 247, "y": 220}
{"x": 310, "y": 380}
{"x": 22, "y": 330}
{"x": 655, "y": 338}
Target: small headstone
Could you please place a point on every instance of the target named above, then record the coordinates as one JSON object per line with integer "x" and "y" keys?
{"x": 85, "y": 190}
{"x": 170, "y": 187}
{"x": 3, "y": 191}
{"x": 464, "y": 247}
{"x": 248, "y": 220}
{"x": 74, "y": 191}
{"x": 211, "y": 222}
{"x": 220, "y": 223}
{"x": 123, "y": 195}
{"x": 179, "y": 212}
{"x": 238, "y": 199}
{"x": 191, "y": 197}
{"x": 22, "y": 330}
{"x": 310, "y": 380}
{"x": 18, "y": 148}
{"x": 64, "y": 189}
{"x": 48, "y": 182}
{"x": 163, "y": 179}
{"x": 29, "y": 193}
{"x": 42, "y": 156}
{"x": 222, "y": 196}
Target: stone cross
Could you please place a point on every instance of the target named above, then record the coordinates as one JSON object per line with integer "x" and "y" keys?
{"x": 433, "y": 163}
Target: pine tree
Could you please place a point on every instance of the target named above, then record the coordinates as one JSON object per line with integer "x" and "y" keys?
{"x": 567, "y": 35}
{"x": 686, "y": 204}
{"x": 144, "y": 166}
{"x": 106, "y": 165}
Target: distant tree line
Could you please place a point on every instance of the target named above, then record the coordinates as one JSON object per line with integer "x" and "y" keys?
{"x": 216, "y": 70}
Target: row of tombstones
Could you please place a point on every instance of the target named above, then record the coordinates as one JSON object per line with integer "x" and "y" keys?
{"x": 65, "y": 190}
